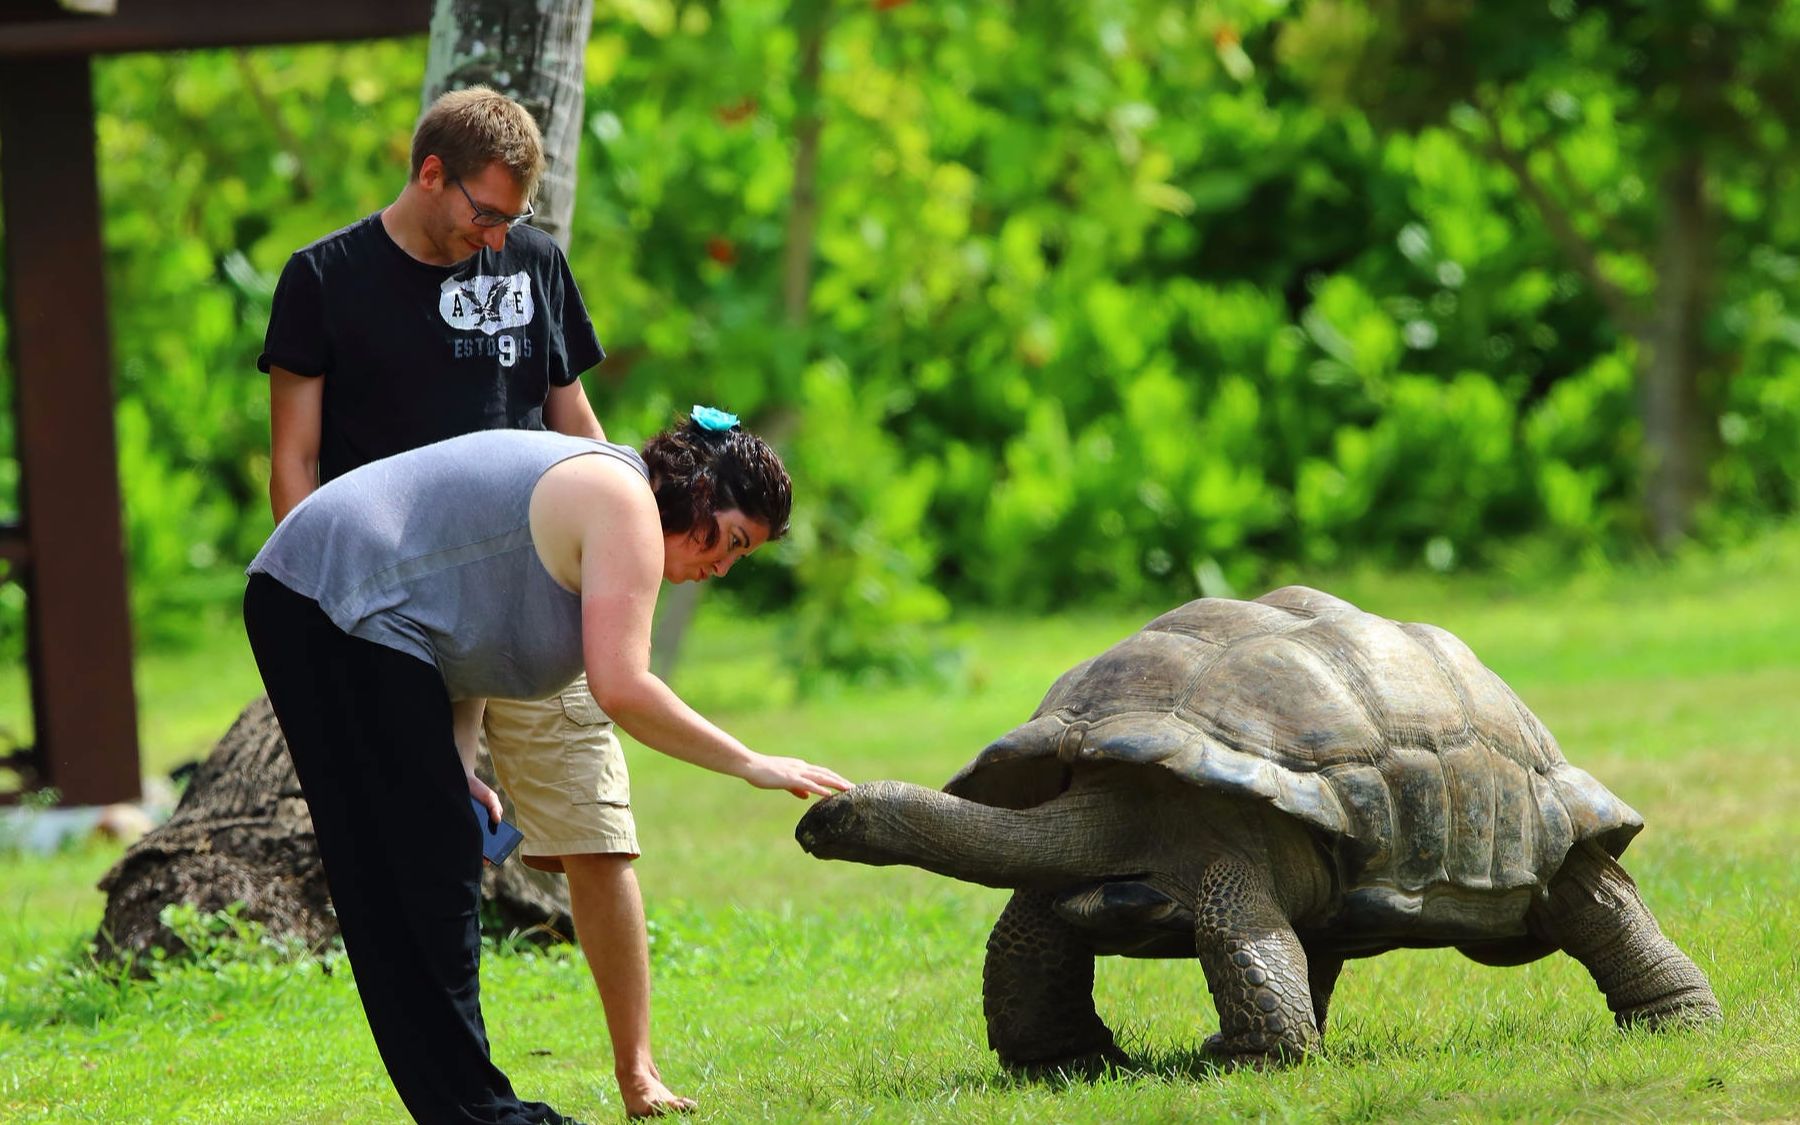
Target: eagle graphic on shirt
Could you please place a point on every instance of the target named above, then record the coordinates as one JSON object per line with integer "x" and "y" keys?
{"x": 487, "y": 303}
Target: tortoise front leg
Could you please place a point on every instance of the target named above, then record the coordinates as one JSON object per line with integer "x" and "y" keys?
{"x": 1037, "y": 990}
{"x": 1595, "y": 914}
{"x": 1321, "y": 978}
{"x": 1255, "y": 967}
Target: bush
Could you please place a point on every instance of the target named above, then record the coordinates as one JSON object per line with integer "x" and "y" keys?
{"x": 1098, "y": 309}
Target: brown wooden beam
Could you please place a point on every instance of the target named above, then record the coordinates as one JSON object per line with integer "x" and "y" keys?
{"x": 173, "y": 25}
{"x": 13, "y": 547}
{"x": 79, "y": 630}
{"x": 16, "y": 10}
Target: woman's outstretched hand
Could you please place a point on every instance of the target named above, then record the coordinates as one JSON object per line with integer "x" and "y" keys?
{"x": 479, "y": 790}
{"x": 801, "y": 778}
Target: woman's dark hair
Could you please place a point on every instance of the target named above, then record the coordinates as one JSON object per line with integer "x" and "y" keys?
{"x": 697, "y": 472}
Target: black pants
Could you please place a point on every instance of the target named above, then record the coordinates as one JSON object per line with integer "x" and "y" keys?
{"x": 369, "y": 731}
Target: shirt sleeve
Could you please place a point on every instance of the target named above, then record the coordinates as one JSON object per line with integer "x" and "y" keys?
{"x": 296, "y": 337}
{"x": 580, "y": 346}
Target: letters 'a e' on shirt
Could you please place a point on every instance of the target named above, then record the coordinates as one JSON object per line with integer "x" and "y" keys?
{"x": 414, "y": 353}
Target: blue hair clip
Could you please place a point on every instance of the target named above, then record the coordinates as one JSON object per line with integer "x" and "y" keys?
{"x": 712, "y": 418}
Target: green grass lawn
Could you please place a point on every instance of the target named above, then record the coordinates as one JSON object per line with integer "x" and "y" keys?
{"x": 789, "y": 989}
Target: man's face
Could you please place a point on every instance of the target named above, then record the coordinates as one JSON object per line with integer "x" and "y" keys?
{"x": 455, "y": 234}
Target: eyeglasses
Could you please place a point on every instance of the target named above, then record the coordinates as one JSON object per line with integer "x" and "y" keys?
{"x": 487, "y": 218}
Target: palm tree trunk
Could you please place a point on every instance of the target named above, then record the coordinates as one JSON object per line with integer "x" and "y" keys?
{"x": 533, "y": 51}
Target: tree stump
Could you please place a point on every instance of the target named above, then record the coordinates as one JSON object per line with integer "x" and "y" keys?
{"x": 242, "y": 833}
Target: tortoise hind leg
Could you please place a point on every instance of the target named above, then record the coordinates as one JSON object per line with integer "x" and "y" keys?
{"x": 1037, "y": 990}
{"x": 1255, "y": 967}
{"x": 1595, "y": 914}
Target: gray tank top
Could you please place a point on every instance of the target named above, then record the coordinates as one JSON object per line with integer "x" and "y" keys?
{"x": 429, "y": 552}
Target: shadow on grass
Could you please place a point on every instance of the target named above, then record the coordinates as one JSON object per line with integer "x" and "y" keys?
{"x": 1193, "y": 1064}
{"x": 1185, "y": 1065}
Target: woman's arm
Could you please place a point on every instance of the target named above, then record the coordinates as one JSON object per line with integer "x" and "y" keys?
{"x": 621, "y": 568}
{"x": 650, "y": 711}
{"x": 465, "y": 727}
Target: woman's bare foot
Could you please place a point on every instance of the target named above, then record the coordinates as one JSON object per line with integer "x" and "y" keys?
{"x": 646, "y": 1096}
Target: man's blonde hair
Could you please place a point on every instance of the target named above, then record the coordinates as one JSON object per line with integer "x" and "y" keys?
{"x": 472, "y": 128}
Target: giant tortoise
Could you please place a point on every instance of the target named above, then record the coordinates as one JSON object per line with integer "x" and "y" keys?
{"x": 1274, "y": 786}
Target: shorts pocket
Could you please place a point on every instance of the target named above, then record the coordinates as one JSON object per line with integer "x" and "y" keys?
{"x": 579, "y": 707}
{"x": 602, "y": 791}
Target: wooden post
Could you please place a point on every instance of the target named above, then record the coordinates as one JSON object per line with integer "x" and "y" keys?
{"x": 79, "y": 630}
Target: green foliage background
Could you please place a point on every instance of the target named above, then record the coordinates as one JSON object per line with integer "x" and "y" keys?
{"x": 1121, "y": 301}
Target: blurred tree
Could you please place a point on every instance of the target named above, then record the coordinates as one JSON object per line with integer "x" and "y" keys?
{"x": 1630, "y": 126}
{"x": 1119, "y": 301}
{"x": 810, "y": 20}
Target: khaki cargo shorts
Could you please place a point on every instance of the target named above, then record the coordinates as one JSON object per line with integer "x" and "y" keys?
{"x": 560, "y": 764}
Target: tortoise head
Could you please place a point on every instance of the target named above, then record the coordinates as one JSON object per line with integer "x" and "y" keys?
{"x": 859, "y": 824}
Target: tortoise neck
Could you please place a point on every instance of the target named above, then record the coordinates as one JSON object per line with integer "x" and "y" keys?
{"x": 1078, "y": 835}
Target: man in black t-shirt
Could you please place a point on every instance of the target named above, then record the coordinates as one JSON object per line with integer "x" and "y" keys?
{"x": 437, "y": 316}
{"x": 434, "y": 317}
{"x": 399, "y": 352}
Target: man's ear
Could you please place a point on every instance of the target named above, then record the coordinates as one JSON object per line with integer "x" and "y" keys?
{"x": 431, "y": 173}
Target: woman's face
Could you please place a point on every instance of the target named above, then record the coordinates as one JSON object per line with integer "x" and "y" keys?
{"x": 685, "y": 559}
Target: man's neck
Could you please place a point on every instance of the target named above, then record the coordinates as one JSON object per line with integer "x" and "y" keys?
{"x": 404, "y": 221}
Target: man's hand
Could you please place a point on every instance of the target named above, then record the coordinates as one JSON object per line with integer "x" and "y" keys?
{"x": 479, "y": 790}
{"x": 802, "y": 779}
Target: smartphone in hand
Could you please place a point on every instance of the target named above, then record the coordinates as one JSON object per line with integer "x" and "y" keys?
{"x": 497, "y": 840}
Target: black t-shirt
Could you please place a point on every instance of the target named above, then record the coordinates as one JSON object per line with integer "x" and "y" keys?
{"x": 415, "y": 353}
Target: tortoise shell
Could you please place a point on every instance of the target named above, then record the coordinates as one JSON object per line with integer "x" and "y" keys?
{"x": 1422, "y": 775}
